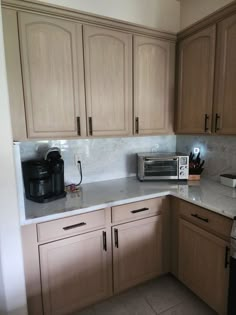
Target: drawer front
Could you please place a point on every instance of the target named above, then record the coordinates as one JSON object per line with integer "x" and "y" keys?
{"x": 137, "y": 210}
{"x": 70, "y": 226}
{"x": 206, "y": 219}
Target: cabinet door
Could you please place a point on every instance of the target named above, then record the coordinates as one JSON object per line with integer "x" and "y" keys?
{"x": 75, "y": 272}
{"x": 14, "y": 75}
{"x": 153, "y": 85}
{"x": 108, "y": 75}
{"x": 202, "y": 265}
{"x": 52, "y": 64}
{"x": 225, "y": 91}
{"x": 196, "y": 58}
{"x": 137, "y": 252}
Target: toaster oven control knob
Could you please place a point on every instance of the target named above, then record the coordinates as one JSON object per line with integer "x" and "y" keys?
{"x": 182, "y": 167}
{"x": 182, "y": 174}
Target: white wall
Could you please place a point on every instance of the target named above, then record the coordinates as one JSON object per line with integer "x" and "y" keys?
{"x": 193, "y": 10}
{"x": 161, "y": 14}
{"x": 12, "y": 286}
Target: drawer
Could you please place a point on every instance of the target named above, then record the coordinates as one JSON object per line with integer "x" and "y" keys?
{"x": 70, "y": 226}
{"x": 204, "y": 218}
{"x": 141, "y": 209}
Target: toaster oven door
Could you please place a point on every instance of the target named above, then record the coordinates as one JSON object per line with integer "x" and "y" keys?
{"x": 165, "y": 169}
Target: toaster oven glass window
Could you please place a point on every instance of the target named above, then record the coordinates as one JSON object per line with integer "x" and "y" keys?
{"x": 161, "y": 168}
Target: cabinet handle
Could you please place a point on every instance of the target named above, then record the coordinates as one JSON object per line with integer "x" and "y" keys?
{"x": 78, "y": 126}
{"x": 90, "y": 126}
{"x": 137, "y": 125}
{"x": 70, "y": 227}
{"x": 206, "y": 122}
{"x": 139, "y": 210}
{"x": 226, "y": 256}
{"x": 104, "y": 236}
{"x": 199, "y": 218}
{"x": 216, "y": 122}
{"x": 116, "y": 238}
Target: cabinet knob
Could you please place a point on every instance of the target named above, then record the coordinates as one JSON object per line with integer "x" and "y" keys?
{"x": 116, "y": 238}
{"x": 217, "y": 118}
{"x": 78, "y": 126}
{"x": 206, "y": 122}
{"x": 137, "y": 125}
{"x": 90, "y": 126}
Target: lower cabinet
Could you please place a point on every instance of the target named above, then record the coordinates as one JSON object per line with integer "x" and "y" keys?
{"x": 137, "y": 252}
{"x": 75, "y": 272}
{"x": 203, "y": 265}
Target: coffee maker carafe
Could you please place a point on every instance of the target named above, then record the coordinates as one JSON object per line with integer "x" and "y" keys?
{"x": 44, "y": 179}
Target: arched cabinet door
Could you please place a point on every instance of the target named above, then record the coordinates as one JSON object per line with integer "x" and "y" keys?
{"x": 225, "y": 91}
{"x": 196, "y": 59}
{"x": 108, "y": 77}
{"x": 52, "y": 66}
{"x": 153, "y": 85}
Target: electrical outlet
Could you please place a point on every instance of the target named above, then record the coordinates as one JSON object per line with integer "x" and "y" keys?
{"x": 76, "y": 158}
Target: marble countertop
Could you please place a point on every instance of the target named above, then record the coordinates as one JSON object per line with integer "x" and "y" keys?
{"x": 208, "y": 194}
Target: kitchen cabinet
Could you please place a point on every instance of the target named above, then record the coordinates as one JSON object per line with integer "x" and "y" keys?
{"x": 108, "y": 77}
{"x": 153, "y": 85}
{"x": 14, "y": 74}
{"x": 137, "y": 252}
{"x": 203, "y": 265}
{"x": 195, "y": 80}
{"x": 74, "y": 272}
{"x": 225, "y": 92}
{"x": 53, "y": 76}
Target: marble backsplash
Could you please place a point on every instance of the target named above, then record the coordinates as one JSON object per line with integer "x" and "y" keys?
{"x": 102, "y": 159}
{"x": 219, "y": 152}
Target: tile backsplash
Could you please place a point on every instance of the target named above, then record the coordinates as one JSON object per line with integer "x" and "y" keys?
{"x": 102, "y": 159}
{"x": 219, "y": 152}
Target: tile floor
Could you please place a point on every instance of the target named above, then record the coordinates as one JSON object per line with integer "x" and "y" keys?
{"x": 164, "y": 296}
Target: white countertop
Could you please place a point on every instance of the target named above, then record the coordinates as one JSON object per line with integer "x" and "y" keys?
{"x": 208, "y": 194}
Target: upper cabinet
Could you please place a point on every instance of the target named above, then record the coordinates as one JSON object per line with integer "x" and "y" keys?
{"x": 195, "y": 80}
{"x": 225, "y": 91}
{"x": 52, "y": 66}
{"x": 108, "y": 75}
{"x": 153, "y": 85}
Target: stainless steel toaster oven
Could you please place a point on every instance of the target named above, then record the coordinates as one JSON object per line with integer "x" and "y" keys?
{"x": 162, "y": 166}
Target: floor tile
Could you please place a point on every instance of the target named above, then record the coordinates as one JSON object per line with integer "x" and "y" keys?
{"x": 162, "y": 296}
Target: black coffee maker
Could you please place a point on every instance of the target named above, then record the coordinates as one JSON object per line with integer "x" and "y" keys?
{"x": 44, "y": 179}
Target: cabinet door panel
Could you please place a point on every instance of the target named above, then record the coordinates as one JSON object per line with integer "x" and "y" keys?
{"x": 75, "y": 272}
{"x": 196, "y": 58}
{"x": 52, "y": 62}
{"x": 14, "y": 74}
{"x": 108, "y": 74}
{"x": 153, "y": 85}
{"x": 139, "y": 253}
{"x": 202, "y": 265}
{"x": 225, "y": 92}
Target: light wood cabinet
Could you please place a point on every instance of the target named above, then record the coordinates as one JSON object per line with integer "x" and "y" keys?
{"x": 14, "y": 74}
{"x": 75, "y": 272}
{"x": 203, "y": 265}
{"x": 108, "y": 77}
{"x": 137, "y": 252}
{"x": 53, "y": 76}
{"x": 153, "y": 85}
{"x": 195, "y": 79}
{"x": 225, "y": 92}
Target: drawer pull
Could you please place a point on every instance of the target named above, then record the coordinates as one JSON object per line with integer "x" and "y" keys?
{"x": 104, "y": 237}
{"x": 137, "y": 125}
{"x": 70, "y": 227}
{"x": 90, "y": 126}
{"x": 139, "y": 210}
{"x": 216, "y": 122}
{"x": 226, "y": 257}
{"x": 199, "y": 218}
{"x": 116, "y": 238}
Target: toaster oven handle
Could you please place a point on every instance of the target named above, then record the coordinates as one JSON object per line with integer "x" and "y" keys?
{"x": 160, "y": 159}
{"x": 74, "y": 226}
{"x": 139, "y": 210}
